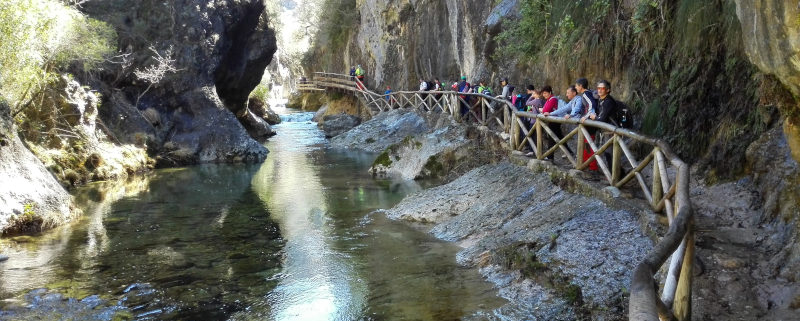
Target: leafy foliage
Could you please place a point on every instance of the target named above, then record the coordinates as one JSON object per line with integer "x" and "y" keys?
{"x": 41, "y": 37}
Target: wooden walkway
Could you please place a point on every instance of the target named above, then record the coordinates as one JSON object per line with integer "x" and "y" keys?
{"x": 666, "y": 190}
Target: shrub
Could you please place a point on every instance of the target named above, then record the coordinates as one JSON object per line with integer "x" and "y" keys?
{"x": 40, "y": 38}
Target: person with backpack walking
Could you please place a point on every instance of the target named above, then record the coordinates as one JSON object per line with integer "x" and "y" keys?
{"x": 360, "y": 75}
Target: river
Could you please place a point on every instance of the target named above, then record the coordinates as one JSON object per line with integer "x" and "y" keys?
{"x": 294, "y": 238}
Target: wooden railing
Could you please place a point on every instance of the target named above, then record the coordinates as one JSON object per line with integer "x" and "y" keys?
{"x": 666, "y": 190}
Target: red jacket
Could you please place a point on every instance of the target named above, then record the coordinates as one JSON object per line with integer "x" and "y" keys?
{"x": 551, "y": 105}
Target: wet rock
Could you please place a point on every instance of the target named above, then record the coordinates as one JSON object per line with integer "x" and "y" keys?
{"x": 385, "y": 129}
{"x": 334, "y": 125}
{"x": 30, "y": 197}
{"x": 494, "y": 207}
{"x": 43, "y": 304}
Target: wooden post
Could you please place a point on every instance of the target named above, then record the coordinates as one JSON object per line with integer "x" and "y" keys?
{"x": 657, "y": 190}
{"x": 683, "y": 296}
{"x": 581, "y": 147}
{"x": 616, "y": 163}
{"x": 539, "y": 136}
{"x": 515, "y": 130}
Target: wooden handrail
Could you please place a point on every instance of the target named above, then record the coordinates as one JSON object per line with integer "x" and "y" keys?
{"x": 645, "y": 303}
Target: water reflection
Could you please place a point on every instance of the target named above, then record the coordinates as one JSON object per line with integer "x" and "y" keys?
{"x": 289, "y": 239}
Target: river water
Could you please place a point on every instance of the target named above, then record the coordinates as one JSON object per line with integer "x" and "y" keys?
{"x": 294, "y": 238}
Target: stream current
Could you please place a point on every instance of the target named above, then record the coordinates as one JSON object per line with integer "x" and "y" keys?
{"x": 294, "y": 238}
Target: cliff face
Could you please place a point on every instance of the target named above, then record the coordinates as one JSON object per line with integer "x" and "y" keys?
{"x": 198, "y": 113}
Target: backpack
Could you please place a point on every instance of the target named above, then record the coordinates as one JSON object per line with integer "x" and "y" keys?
{"x": 520, "y": 101}
{"x": 623, "y": 116}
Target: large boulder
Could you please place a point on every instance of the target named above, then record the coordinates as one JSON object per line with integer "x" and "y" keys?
{"x": 333, "y": 125}
{"x": 30, "y": 197}
{"x": 220, "y": 51}
{"x": 382, "y": 131}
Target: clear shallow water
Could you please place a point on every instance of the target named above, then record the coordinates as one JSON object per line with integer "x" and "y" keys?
{"x": 289, "y": 239}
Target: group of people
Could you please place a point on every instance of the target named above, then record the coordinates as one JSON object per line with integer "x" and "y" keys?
{"x": 580, "y": 103}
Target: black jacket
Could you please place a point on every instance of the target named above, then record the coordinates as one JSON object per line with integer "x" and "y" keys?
{"x": 605, "y": 109}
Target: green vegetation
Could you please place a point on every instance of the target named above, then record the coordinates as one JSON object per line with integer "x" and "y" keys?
{"x": 433, "y": 167}
{"x": 336, "y": 21}
{"x": 260, "y": 92}
{"x": 42, "y": 38}
{"x": 383, "y": 159}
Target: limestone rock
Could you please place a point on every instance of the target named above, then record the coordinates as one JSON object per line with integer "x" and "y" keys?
{"x": 382, "y": 131}
{"x": 771, "y": 35}
{"x": 30, "y": 197}
{"x": 333, "y": 125}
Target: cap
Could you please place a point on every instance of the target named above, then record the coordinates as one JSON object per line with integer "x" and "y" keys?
{"x": 463, "y": 77}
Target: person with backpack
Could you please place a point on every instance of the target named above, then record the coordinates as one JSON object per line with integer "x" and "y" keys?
{"x": 353, "y": 73}
{"x": 606, "y": 108}
{"x": 360, "y": 75}
{"x": 483, "y": 89}
{"x": 464, "y": 87}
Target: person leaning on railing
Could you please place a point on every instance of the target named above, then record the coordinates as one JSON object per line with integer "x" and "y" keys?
{"x": 589, "y": 108}
{"x": 606, "y": 106}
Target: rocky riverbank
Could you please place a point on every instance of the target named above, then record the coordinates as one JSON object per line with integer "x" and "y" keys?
{"x": 554, "y": 254}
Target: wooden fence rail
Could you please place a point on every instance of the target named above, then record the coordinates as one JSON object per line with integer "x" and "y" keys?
{"x": 607, "y": 146}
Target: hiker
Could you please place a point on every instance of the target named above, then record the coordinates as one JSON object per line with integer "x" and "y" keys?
{"x": 463, "y": 87}
{"x": 534, "y": 103}
{"x": 360, "y": 75}
{"x": 437, "y": 86}
{"x": 423, "y": 87}
{"x": 387, "y": 94}
{"x": 552, "y": 106}
{"x": 483, "y": 89}
{"x": 353, "y": 73}
{"x": 573, "y": 106}
{"x": 606, "y": 107}
{"x": 508, "y": 90}
{"x": 589, "y": 108}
